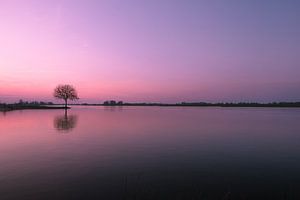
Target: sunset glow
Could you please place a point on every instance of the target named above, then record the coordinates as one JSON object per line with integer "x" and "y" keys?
{"x": 150, "y": 51}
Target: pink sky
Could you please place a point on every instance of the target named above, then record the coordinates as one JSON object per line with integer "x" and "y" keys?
{"x": 158, "y": 51}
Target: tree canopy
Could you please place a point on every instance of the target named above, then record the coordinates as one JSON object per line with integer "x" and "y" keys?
{"x": 65, "y": 92}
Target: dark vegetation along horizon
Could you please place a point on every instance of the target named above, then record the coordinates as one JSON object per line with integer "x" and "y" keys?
{"x": 65, "y": 92}
{"x": 68, "y": 92}
{"x": 50, "y": 105}
{"x": 22, "y": 105}
{"x": 203, "y": 104}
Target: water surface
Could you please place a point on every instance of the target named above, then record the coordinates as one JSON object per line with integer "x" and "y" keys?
{"x": 150, "y": 153}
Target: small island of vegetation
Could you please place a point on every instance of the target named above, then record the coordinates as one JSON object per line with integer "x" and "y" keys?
{"x": 22, "y": 105}
{"x": 65, "y": 92}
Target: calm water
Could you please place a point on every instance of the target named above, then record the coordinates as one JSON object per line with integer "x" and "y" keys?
{"x": 150, "y": 153}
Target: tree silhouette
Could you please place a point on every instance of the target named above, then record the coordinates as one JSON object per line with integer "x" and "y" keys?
{"x": 65, "y": 92}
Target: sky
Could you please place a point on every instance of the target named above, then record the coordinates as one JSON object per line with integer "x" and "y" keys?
{"x": 151, "y": 50}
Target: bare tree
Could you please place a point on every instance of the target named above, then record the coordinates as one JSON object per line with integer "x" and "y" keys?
{"x": 65, "y": 92}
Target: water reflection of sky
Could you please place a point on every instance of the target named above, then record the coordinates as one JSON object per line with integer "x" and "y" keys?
{"x": 212, "y": 151}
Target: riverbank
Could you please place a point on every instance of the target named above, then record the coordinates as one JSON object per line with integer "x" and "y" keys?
{"x": 203, "y": 104}
{"x": 17, "y": 106}
{"x": 11, "y": 107}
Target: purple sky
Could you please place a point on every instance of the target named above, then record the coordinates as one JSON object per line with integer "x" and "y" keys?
{"x": 151, "y": 50}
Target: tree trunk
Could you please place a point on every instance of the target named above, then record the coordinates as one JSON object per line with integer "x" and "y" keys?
{"x": 66, "y": 103}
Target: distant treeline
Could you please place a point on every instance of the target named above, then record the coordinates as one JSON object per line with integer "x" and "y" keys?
{"x": 199, "y": 104}
{"x": 49, "y": 105}
{"x": 243, "y": 104}
{"x": 113, "y": 102}
{"x": 21, "y": 102}
{"x": 25, "y": 105}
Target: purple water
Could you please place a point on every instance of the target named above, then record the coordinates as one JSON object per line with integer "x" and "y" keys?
{"x": 150, "y": 153}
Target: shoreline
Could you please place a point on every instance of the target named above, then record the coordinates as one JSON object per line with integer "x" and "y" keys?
{"x": 6, "y": 108}
{"x": 209, "y": 105}
{"x": 203, "y": 104}
{"x": 12, "y": 107}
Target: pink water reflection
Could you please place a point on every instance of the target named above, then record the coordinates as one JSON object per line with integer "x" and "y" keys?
{"x": 161, "y": 143}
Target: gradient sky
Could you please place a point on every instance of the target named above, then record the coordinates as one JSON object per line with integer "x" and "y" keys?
{"x": 151, "y": 50}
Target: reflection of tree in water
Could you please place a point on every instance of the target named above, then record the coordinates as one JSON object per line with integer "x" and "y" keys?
{"x": 65, "y": 122}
